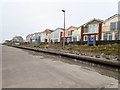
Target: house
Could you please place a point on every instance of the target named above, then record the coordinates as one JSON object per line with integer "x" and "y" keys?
{"x": 111, "y": 28}
{"x": 17, "y": 39}
{"x": 6, "y": 41}
{"x": 76, "y": 35}
{"x": 92, "y": 28}
{"x": 56, "y": 36}
{"x": 45, "y": 35}
{"x": 36, "y": 38}
{"x": 68, "y": 33}
{"x": 29, "y": 38}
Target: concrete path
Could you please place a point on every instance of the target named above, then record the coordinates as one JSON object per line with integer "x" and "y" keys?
{"x": 20, "y": 69}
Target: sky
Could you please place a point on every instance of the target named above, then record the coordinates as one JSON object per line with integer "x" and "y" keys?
{"x": 22, "y": 17}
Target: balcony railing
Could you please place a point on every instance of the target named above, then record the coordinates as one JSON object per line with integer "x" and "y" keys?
{"x": 106, "y": 28}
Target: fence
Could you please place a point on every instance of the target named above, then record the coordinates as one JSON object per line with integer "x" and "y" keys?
{"x": 102, "y": 42}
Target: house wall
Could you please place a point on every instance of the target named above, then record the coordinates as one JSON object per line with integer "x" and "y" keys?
{"x": 69, "y": 29}
{"x": 56, "y": 35}
{"x": 106, "y": 24}
{"x": 45, "y": 36}
{"x": 76, "y": 35}
{"x": 67, "y": 36}
{"x": 107, "y": 31}
{"x": 29, "y": 38}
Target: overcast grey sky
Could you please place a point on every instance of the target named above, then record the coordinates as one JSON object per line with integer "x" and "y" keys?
{"x": 22, "y": 17}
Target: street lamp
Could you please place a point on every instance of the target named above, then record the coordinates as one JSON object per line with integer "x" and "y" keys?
{"x": 64, "y": 30}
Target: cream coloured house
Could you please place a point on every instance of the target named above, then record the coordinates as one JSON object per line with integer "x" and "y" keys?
{"x": 111, "y": 28}
{"x": 76, "y": 35}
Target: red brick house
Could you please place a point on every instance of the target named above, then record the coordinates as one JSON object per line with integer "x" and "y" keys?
{"x": 92, "y": 28}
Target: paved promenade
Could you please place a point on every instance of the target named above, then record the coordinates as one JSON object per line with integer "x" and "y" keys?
{"x": 25, "y": 69}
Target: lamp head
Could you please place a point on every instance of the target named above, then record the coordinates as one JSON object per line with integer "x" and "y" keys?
{"x": 63, "y": 10}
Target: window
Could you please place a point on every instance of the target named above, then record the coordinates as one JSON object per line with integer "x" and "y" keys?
{"x": 86, "y": 30}
{"x": 115, "y": 26}
{"x": 74, "y": 38}
{"x": 96, "y": 37}
{"x": 108, "y": 36}
{"x": 93, "y": 28}
{"x": 117, "y": 36}
{"x": 85, "y": 38}
{"x": 118, "y": 25}
{"x": 70, "y": 32}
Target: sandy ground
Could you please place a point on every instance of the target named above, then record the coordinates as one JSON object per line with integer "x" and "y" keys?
{"x": 21, "y": 69}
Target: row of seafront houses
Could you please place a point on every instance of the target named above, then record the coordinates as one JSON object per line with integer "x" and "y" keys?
{"x": 108, "y": 29}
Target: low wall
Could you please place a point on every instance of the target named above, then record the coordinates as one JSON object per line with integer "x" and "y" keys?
{"x": 102, "y": 42}
{"x": 79, "y": 57}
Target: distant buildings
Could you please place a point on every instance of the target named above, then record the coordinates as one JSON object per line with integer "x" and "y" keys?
{"x": 100, "y": 29}
{"x": 17, "y": 39}
{"x": 34, "y": 38}
{"x": 7, "y": 41}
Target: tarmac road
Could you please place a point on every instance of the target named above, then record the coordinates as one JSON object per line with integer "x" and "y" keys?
{"x": 21, "y": 69}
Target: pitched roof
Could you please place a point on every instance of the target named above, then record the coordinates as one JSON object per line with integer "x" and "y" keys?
{"x": 59, "y": 28}
{"x": 72, "y": 27}
{"x": 92, "y": 21}
{"x": 116, "y": 15}
{"x": 47, "y": 31}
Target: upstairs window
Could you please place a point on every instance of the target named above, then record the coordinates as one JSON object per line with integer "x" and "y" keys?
{"x": 70, "y": 32}
{"x": 115, "y": 26}
{"x": 93, "y": 28}
{"x": 86, "y": 30}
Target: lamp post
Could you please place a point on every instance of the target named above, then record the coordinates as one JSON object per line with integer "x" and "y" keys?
{"x": 64, "y": 30}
